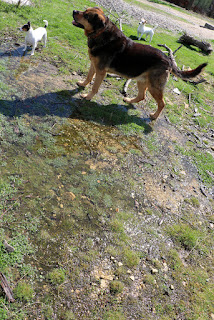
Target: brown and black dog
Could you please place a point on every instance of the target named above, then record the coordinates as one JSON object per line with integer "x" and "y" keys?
{"x": 111, "y": 51}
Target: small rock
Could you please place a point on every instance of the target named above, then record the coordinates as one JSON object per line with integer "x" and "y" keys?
{"x": 132, "y": 278}
{"x": 136, "y": 203}
{"x": 129, "y": 271}
{"x": 153, "y": 270}
{"x": 182, "y": 173}
{"x": 164, "y": 179}
{"x": 165, "y": 267}
{"x": 108, "y": 277}
{"x": 171, "y": 287}
{"x": 153, "y": 310}
{"x": 120, "y": 264}
{"x": 103, "y": 283}
{"x": 177, "y": 91}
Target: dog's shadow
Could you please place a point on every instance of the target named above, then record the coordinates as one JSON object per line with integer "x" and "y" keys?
{"x": 134, "y": 38}
{"x": 16, "y": 50}
{"x": 65, "y": 104}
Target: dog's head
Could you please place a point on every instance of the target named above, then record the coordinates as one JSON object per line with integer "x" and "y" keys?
{"x": 25, "y": 27}
{"x": 90, "y": 20}
{"x": 143, "y": 21}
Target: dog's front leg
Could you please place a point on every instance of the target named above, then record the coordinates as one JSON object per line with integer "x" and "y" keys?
{"x": 33, "y": 49}
{"x": 89, "y": 77}
{"x": 100, "y": 75}
{"x": 25, "y": 48}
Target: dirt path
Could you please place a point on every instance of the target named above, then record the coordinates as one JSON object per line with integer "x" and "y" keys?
{"x": 190, "y": 23}
{"x": 164, "y": 16}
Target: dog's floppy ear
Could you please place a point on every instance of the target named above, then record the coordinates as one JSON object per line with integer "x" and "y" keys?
{"x": 99, "y": 9}
{"x": 28, "y": 23}
{"x": 99, "y": 23}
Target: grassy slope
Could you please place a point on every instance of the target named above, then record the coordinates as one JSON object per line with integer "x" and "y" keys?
{"x": 46, "y": 280}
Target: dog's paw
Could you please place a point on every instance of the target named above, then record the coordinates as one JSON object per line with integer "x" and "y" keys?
{"x": 127, "y": 100}
{"x": 81, "y": 84}
{"x": 153, "y": 116}
{"x": 86, "y": 96}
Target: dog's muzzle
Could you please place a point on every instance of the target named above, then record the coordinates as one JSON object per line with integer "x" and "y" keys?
{"x": 74, "y": 22}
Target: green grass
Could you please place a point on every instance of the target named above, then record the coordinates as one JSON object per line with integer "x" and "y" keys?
{"x": 56, "y": 276}
{"x": 23, "y": 291}
{"x": 185, "y": 236}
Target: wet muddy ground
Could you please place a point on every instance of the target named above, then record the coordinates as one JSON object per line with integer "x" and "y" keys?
{"x": 96, "y": 199}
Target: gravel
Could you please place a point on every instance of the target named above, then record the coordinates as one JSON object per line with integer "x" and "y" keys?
{"x": 165, "y": 17}
{"x": 136, "y": 14}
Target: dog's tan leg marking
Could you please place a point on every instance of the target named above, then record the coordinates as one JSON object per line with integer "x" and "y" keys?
{"x": 141, "y": 93}
{"x": 89, "y": 77}
{"x": 158, "y": 96}
{"x": 157, "y": 82}
{"x": 100, "y": 75}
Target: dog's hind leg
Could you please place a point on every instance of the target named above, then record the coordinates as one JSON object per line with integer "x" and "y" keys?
{"x": 89, "y": 77}
{"x": 141, "y": 93}
{"x": 157, "y": 82}
{"x": 158, "y": 96}
{"x": 151, "y": 36}
{"x": 44, "y": 40}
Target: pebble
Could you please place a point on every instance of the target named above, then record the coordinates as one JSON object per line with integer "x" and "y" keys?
{"x": 183, "y": 173}
{"x": 120, "y": 264}
{"x": 165, "y": 267}
{"x": 103, "y": 283}
{"x": 153, "y": 270}
{"x": 132, "y": 278}
{"x": 177, "y": 91}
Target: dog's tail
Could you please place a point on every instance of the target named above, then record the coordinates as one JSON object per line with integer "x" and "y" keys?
{"x": 189, "y": 73}
{"x": 46, "y": 23}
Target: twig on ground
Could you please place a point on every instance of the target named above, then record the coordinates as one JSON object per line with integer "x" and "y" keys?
{"x": 6, "y": 287}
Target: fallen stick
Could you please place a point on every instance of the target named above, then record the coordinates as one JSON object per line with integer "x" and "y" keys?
{"x": 6, "y": 287}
